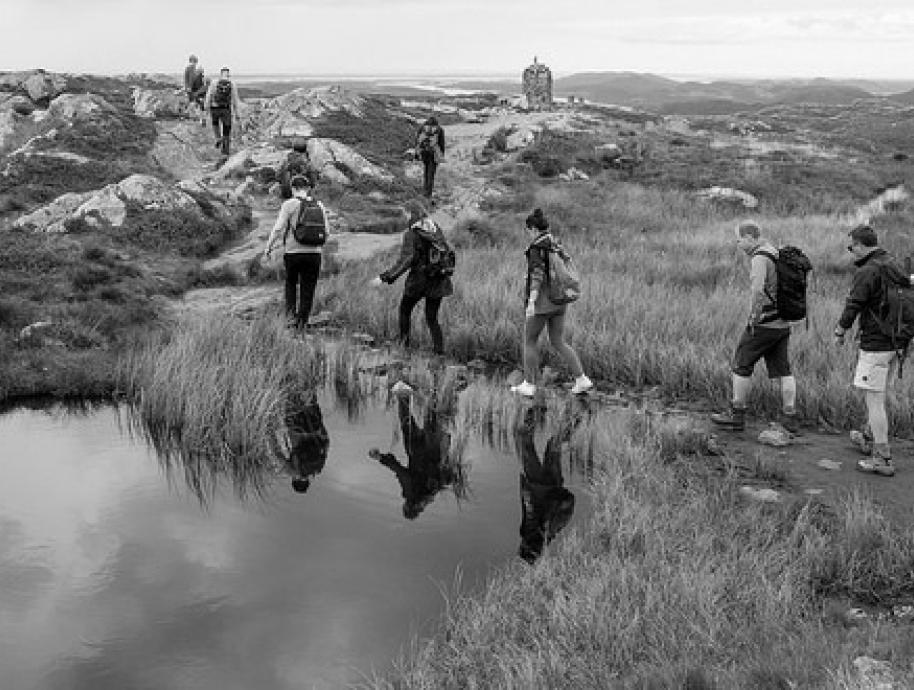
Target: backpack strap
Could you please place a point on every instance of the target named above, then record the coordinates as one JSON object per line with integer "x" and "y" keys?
{"x": 773, "y": 259}
{"x": 297, "y": 217}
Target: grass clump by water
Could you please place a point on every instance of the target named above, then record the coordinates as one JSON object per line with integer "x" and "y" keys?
{"x": 676, "y": 582}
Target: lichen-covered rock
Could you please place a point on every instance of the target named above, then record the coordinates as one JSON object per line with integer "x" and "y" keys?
{"x": 159, "y": 103}
{"x": 331, "y": 157}
{"x": 729, "y": 195}
{"x": 51, "y": 218}
{"x": 277, "y": 161}
{"x": 79, "y": 106}
{"x": 40, "y": 86}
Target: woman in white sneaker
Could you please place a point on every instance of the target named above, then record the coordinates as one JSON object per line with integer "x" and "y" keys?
{"x": 540, "y": 312}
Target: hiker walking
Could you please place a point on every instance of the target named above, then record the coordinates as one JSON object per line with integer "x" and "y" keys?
{"x": 427, "y": 447}
{"x": 224, "y": 105}
{"x": 429, "y": 149}
{"x": 881, "y": 347}
{"x": 301, "y": 227}
{"x": 766, "y": 335}
{"x": 198, "y": 87}
{"x": 546, "y": 505}
{"x": 429, "y": 259}
{"x": 541, "y": 312}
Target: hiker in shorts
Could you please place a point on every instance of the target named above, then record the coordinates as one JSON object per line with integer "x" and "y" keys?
{"x": 546, "y": 505}
{"x": 878, "y": 359}
{"x": 224, "y": 105}
{"x": 422, "y": 281}
{"x": 429, "y": 149}
{"x": 541, "y": 313}
{"x": 766, "y": 335}
{"x": 302, "y": 261}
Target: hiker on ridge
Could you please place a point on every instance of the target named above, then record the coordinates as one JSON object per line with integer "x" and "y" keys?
{"x": 224, "y": 105}
{"x": 429, "y": 259}
{"x": 190, "y": 71}
{"x": 541, "y": 313}
{"x": 301, "y": 227}
{"x": 198, "y": 88}
{"x": 429, "y": 149}
{"x": 766, "y": 335}
{"x": 879, "y": 356}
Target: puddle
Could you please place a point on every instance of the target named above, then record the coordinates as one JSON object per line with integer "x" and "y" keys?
{"x": 122, "y": 569}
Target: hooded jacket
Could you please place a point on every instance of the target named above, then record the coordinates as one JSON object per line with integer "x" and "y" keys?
{"x": 414, "y": 258}
{"x": 537, "y": 254}
{"x": 866, "y": 295}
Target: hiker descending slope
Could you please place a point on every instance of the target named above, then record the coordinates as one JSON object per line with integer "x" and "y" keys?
{"x": 430, "y": 261}
{"x": 224, "y": 106}
{"x": 301, "y": 227}
{"x": 429, "y": 149}
{"x": 880, "y": 301}
{"x": 548, "y": 290}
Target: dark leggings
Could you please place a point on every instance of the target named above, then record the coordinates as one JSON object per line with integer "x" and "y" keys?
{"x": 428, "y": 179}
{"x": 302, "y": 271}
{"x": 432, "y": 305}
{"x": 222, "y": 127}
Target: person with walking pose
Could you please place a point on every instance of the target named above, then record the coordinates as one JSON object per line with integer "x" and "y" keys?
{"x": 540, "y": 312}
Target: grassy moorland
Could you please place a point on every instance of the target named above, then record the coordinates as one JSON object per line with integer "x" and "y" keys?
{"x": 664, "y": 293}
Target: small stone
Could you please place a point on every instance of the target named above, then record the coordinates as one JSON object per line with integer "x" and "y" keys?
{"x": 774, "y": 436}
{"x": 515, "y": 377}
{"x": 813, "y": 492}
{"x": 762, "y": 495}
{"x": 826, "y": 464}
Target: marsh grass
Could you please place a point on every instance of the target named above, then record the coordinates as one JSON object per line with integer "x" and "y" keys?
{"x": 675, "y": 582}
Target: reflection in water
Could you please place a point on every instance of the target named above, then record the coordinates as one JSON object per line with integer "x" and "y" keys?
{"x": 306, "y": 442}
{"x": 546, "y": 505}
{"x": 430, "y": 466}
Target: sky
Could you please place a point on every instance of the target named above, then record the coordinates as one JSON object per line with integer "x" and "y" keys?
{"x": 764, "y": 38}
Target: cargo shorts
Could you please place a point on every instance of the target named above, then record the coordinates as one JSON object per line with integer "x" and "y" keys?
{"x": 759, "y": 342}
{"x": 874, "y": 370}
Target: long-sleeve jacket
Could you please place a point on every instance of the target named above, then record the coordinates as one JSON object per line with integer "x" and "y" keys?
{"x": 763, "y": 287}
{"x": 537, "y": 255}
{"x": 865, "y": 296}
{"x": 235, "y": 102}
{"x": 282, "y": 228}
{"x": 414, "y": 258}
{"x": 189, "y": 73}
{"x": 439, "y": 137}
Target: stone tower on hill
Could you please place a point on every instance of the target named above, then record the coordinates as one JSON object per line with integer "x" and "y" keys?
{"x": 537, "y": 83}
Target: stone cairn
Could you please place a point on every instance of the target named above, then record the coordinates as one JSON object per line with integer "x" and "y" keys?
{"x": 537, "y": 83}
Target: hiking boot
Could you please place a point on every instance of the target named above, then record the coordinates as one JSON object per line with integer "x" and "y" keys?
{"x": 734, "y": 418}
{"x": 880, "y": 462}
{"x": 528, "y": 390}
{"x": 862, "y": 441}
{"x": 790, "y": 423}
{"x": 582, "y": 384}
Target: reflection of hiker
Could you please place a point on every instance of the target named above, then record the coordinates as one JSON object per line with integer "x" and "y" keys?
{"x": 430, "y": 262}
{"x": 308, "y": 443}
{"x": 541, "y": 313}
{"x": 429, "y": 149}
{"x": 879, "y": 355}
{"x": 426, "y": 472}
{"x": 224, "y": 105}
{"x": 301, "y": 226}
{"x": 766, "y": 335}
{"x": 546, "y": 505}
{"x": 190, "y": 71}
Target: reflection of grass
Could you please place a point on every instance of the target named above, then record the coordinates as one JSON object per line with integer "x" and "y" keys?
{"x": 675, "y": 582}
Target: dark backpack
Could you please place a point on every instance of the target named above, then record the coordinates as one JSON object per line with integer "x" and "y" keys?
{"x": 895, "y": 311}
{"x": 222, "y": 95}
{"x": 441, "y": 258}
{"x": 197, "y": 83}
{"x": 310, "y": 227}
{"x": 792, "y": 267}
{"x": 428, "y": 138}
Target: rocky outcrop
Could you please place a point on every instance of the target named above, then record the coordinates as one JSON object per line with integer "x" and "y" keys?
{"x": 287, "y": 119}
{"x": 335, "y": 161}
{"x": 265, "y": 163}
{"x": 78, "y": 106}
{"x": 40, "y": 86}
{"x": 159, "y": 103}
{"x": 109, "y": 205}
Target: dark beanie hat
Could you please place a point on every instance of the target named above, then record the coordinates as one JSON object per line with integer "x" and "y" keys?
{"x": 865, "y": 235}
{"x": 537, "y": 220}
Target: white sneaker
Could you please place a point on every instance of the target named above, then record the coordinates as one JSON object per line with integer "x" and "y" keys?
{"x": 523, "y": 388}
{"x": 401, "y": 388}
{"x": 582, "y": 384}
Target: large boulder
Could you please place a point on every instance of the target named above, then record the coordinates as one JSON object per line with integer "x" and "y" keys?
{"x": 159, "y": 103}
{"x": 265, "y": 163}
{"x": 287, "y": 118}
{"x": 79, "y": 106}
{"x": 40, "y": 86}
{"x": 108, "y": 206}
{"x": 333, "y": 159}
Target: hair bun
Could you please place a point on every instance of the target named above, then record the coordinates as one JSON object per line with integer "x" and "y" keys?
{"x": 537, "y": 220}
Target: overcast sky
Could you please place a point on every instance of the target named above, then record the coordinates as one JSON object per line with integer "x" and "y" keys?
{"x": 831, "y": 38}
